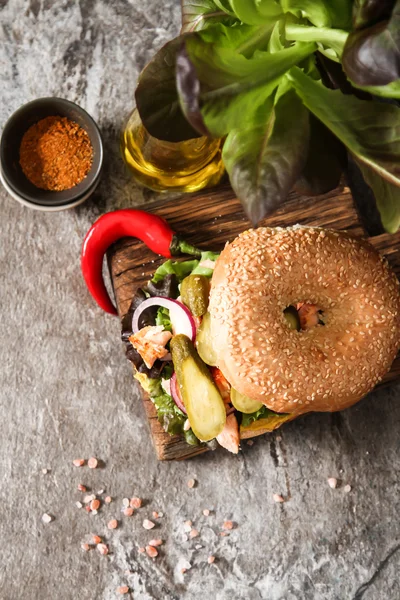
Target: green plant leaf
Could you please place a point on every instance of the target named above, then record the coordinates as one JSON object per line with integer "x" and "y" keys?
{"x": 315, "y": 11}
{"x": 255, "y": 12}
{"x": 225, "y": 6}
{"x": 321, "y": 13}
{"x": 325, "y": 37}
{"x": 325, "y": 161}
{"x": 200, "y": 14}
{"x": 391, "y": 90}
{"x": 243, "y": 39}
{"x": 387, "y": 198}
{"x": 370, "y": 130}
{"x": 369, "y": 12}
{"x": 371, "y": 56}
{"x": 265, "y": 160}
{"x": 157, "y": 98}
{"x": 217, "y": 86}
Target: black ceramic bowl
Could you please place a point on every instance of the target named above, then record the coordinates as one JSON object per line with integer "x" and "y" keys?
{"x": 12, "y": 176}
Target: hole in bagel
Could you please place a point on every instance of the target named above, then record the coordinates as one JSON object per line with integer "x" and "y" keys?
{"x": 302, "y": 316}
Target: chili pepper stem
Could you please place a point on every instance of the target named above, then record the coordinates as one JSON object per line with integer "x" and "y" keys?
{"x": 180, "y": 246}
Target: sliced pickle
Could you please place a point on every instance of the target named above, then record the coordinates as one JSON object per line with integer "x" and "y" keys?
{"x": 204, "y": 343}
{"x": 243, "y": 403}
{"x": 195, "y": 293}
{"x": 202, "y": 400}
{"x": 292, "y": 318}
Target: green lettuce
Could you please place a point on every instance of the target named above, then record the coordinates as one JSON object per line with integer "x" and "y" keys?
{"x": 261, "y": 413}
{"x": 163, "y": 318}
{"x": 169, "y": 415}
{"x": 180, "y": 268}
{"x": 198, "y": 270}
{"x": 184, "y": 268}
{"x": 259, "y": 72}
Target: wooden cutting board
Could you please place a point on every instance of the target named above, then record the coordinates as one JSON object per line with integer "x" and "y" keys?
{"x": 208, "y": 220}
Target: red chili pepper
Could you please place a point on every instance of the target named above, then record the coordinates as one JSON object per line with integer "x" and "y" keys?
{"x": 151, "y": 229}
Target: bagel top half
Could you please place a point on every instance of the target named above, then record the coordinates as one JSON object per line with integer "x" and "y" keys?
{"x": 328, "y": 367}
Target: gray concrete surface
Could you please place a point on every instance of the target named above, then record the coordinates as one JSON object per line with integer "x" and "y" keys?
{"x": 66, "y": 392}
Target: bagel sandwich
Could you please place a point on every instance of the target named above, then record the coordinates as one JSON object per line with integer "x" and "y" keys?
{"x": 283, "y": 322}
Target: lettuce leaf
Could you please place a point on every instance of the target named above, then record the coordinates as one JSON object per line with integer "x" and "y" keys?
{"x": 171, "y": 418}
{"x": 265, "y": 161}
{"x": 261, "y": 413}
{"x": 169, "y": 415}
{"x": 181, "y": 269}
{"x": 200, "y": 14}
{"x": 162, "y": 318}
{"x": 206, "y": 271}
{"x": 221, "y": 88}
{"x": 184, "y": 268}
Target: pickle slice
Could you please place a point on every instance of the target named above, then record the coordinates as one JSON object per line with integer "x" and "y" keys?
{"x": 292, "y": 318}
{"x": 243, "y": 403}
{"x": 195, "y": 292}
{"x": 204, "y": 342}
{"x": 203, "y": 402}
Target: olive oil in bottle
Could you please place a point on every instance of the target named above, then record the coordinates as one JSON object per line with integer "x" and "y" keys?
{"x": 166, "y": 166}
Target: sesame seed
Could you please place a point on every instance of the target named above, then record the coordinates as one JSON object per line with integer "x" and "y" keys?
{"x": 78, "y": 462}
{"x": 332, "y": 482}
{"x": 148, "y": 524}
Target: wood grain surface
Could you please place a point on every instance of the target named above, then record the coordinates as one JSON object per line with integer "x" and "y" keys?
{"x": 208, "y": 220}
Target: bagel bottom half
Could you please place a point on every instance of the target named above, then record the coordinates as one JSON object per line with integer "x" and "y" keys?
{"x": 328, "y": 367}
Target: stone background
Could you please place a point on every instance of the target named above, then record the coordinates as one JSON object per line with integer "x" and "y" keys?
{"x": 66, "y": 391}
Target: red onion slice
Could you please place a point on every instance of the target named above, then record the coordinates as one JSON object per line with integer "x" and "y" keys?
{"x": 176, "y": 395}
{"x": 181, "y": 318}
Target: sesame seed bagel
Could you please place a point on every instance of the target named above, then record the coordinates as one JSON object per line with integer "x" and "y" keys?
{"x": 328, "y": 367}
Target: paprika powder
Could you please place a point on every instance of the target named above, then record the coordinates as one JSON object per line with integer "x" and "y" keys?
{"x": 56, "y": 153}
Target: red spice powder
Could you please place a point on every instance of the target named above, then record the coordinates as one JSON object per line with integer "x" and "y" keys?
{"x": 56, "y": 154}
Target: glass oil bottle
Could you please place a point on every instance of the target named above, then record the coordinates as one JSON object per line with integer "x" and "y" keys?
{"x": 163, "y": 166}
